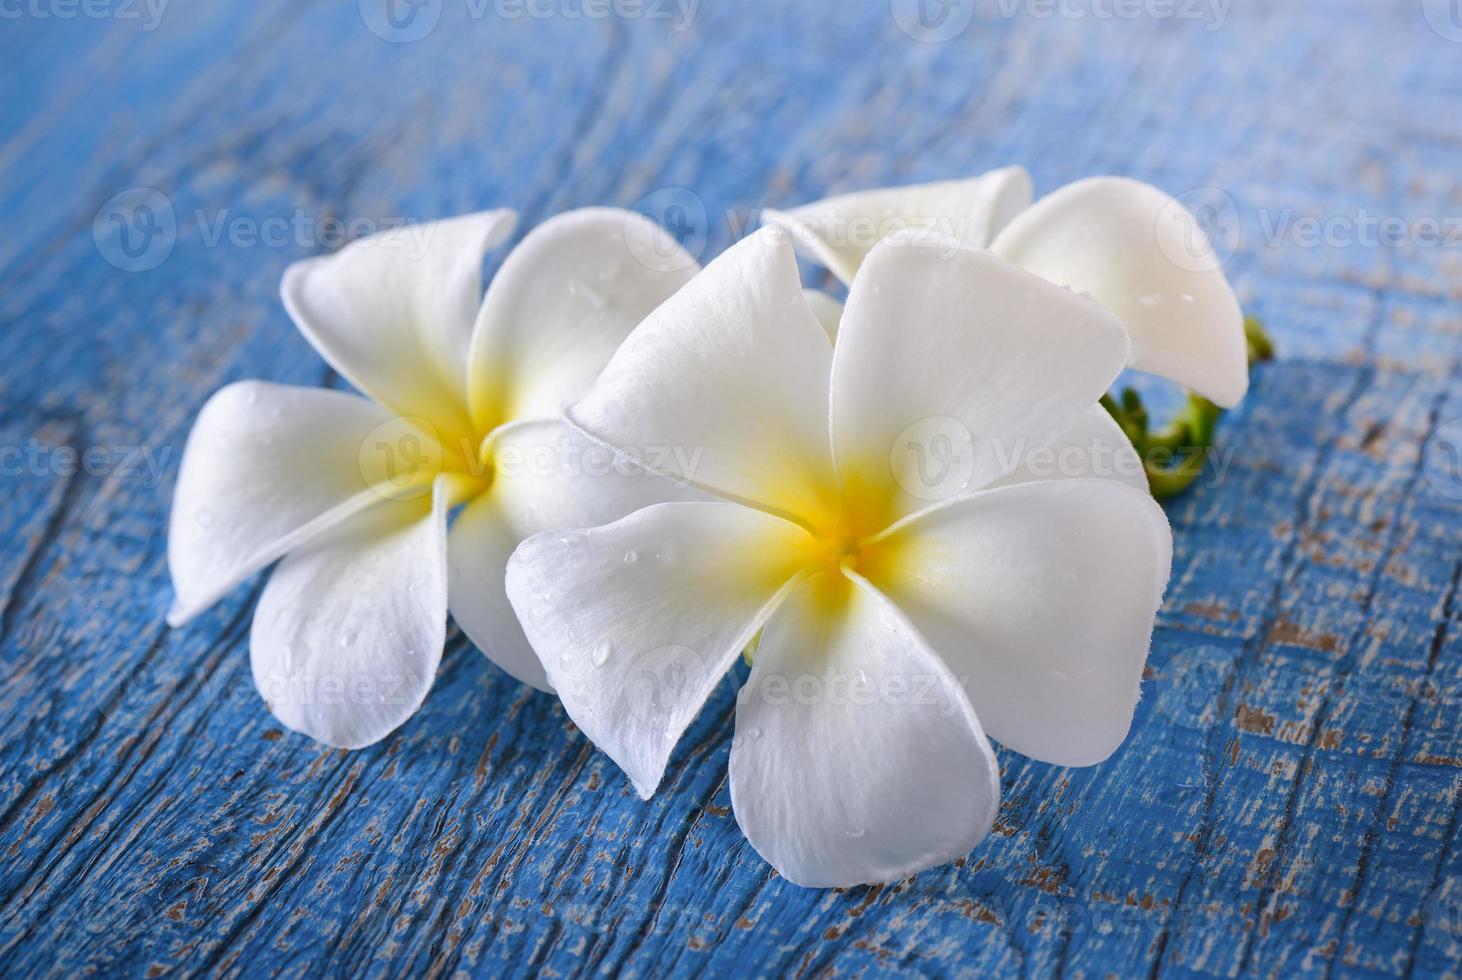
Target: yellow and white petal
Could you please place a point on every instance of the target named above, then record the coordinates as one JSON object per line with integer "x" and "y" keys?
{"x": 268, "y": 467}
{"x": 840, "y": 231}
{"x": 951, "y": 364}
{"x": 349, "y": 630}
{"x": 857, "y": 758}
{"x": 546, "y": 476}
{"x": 1144, "y": 256}
{"x": 637, "y": 622}
{"x": 562, "y": 303}
{"x": 1094, "y": 447}
{"x": 726, "y": 384}
{"x": 829, "y": 312}
{"x": 1043, "y": 597}
{"x": 393, "y": 312}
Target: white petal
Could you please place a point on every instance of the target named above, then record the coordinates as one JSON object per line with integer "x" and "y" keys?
{"x": 546, "y": 477}
{"x": 266, "y": 468}
{"x": 726, "y": 384}
{"x": 393, "y": 312}
{"x": 840, "y": 231}
{"x": 349, "y": 630}
{"x": 829, "y": 312}
{"x": 636, "y": 622}
{"x": 857, "y": 757}
{"x": 1043, "y": 596}
{"x": 1143, "y": 255}
{"x": 562, "y": 303}
{"x": 1095, "y": 447}
{"x": 951, "y": 364}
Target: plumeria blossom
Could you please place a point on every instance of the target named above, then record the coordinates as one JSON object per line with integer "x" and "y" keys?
{"x": 908, "y": 600}
{"x": 1126, "y": 244}
{"x": 462, "y": 409}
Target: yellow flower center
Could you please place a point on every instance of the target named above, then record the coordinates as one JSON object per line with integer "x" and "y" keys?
{"x": 847, "y": 536}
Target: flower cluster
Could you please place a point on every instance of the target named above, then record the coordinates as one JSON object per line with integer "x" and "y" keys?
{"x": 912, "y": 514}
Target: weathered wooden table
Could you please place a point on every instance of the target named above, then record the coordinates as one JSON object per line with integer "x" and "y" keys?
{"x": 1288, "y": 800}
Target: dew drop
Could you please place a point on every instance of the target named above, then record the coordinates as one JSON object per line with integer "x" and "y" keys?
{"x": 856, "y": 832}
{"x": 630, "y": 557}
{"x": 666, "y": 555}
{"x": 1149, "y": 299}
{"x": 753, "y": 733}
{"x": 347, "y": 637}
{"x": 592, "y": 297}
{"x": 601, "y": 653}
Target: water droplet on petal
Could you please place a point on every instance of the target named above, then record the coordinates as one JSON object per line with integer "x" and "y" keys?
{"x": 601, "y": 653}
{"x": 592, "y": 298}
{"x": 753, "y": 733}
{"x": 630, "y": 557}
{"x": 856, "y": 832}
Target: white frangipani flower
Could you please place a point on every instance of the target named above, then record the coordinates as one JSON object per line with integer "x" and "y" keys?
{"x": 898, "y": 625}
{"x": 1126, "y": 244}
{"x": 463, "y": 407}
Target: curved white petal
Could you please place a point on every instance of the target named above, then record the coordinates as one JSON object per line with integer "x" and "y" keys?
{"x": 1144, "y": 256}
{"x": 636, "y": 622}
{"x": 562, "y": 303}
{"x": 546, "y": 476}
{"x": 1094, "y": 447}
{"x": 857, "y": 757}
{"x": 1043, "y": 596}
{"x": 840, "y": 231}
{"x": 726, "y": 384}
{"x": 393, "y": 312}
{"x": 349, "y": 630}
{"x": 829, "y": 312}
{"x": 266, "y": 468}
{"x": 951, "y": 364}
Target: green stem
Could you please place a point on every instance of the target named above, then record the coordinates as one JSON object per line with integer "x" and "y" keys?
{"x": 1174, "y": 456}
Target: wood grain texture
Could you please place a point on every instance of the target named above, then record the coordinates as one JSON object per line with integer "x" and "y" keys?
{"x": 1288, "y": 801}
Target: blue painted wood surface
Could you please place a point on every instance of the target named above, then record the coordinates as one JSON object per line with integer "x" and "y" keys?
{"x": 1288, "y": 801}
